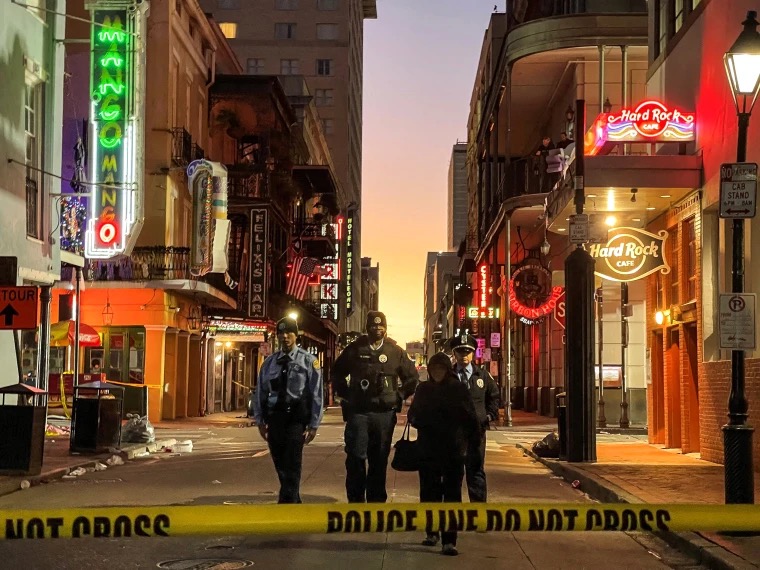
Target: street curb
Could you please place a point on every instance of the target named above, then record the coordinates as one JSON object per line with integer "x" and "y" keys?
{"x": 705, "y": 551}
{"x": 127, "y": 452}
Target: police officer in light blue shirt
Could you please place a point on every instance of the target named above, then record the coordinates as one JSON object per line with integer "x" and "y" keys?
{"x": 287, "y": 407}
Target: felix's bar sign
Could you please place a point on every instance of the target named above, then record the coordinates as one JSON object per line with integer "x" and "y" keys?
{"x": 113, "y": 141}
{"x": 630, "y": 254}
{"x": 649, "y": 122}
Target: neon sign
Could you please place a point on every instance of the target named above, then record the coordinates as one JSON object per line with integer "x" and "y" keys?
{"x": 483, "y": 313}
{"x": 350, "y": 260}
{"x": 531, "y": 295}
{"x": 483, "y": 293}
{"x": 112, "y": 146}
{"x": 651, "y": 121}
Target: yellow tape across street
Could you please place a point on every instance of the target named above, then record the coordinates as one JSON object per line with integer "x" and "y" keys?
{"x": 114, "y": 522}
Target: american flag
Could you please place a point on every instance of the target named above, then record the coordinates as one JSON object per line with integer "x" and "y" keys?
{"x": 300, "y": 273}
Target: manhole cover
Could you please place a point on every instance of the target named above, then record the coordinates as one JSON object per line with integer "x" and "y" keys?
{"x": 204, "y": 564}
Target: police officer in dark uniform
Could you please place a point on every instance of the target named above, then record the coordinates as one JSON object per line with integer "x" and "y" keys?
{"x": 372, "y": 376}
{"x": 287, "y": 407}
{"x": 485, "y": 395}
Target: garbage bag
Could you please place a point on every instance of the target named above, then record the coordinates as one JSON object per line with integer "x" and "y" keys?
{"x": 138, "y": 430}
{"x": 548, "y": 446}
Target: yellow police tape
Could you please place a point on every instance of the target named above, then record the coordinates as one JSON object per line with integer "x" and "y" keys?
{"x": 114, "y": 522}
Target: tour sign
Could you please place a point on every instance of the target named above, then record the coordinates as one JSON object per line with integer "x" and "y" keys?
{"x": 738, "y": 190}
{"x": 737, "y": 321}
{"x": 630, "y": 254}
{"x": 18, "y": 308}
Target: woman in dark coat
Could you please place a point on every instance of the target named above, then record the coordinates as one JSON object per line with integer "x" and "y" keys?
{"x": 445, "y": 418}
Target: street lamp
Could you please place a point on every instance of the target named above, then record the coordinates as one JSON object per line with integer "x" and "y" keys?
{"x": 742, "y": 63}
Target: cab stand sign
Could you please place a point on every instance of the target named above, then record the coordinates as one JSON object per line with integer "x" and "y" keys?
{"x": 738, "y": 190}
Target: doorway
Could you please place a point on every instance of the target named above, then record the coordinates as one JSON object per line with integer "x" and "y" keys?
{"x": 673, "y": 388}
{"x": 691, "y": 387}
{"x": 657, "y": 428}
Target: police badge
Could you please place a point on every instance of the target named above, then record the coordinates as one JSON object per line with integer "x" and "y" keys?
{"x": 480, "y": 383}
{"x": 383, "y": 358}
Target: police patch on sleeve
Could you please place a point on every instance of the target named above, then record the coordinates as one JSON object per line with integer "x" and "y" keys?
{"x": 315, "y": 364}
{"x": 383, "y": 358}
{"x": 480, "y": 383}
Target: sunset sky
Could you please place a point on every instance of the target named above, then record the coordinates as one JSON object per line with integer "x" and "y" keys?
{"x": 420, "y": 58}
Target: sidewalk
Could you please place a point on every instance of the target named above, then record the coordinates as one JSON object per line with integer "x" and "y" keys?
{"x": 644, "y": 473}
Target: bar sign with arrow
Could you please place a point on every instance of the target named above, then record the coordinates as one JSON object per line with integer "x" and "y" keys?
{"x": 18, "y": 307}
{"x": 738, "y": 190}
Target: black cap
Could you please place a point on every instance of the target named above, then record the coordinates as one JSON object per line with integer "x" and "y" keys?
{"x": 376, "y": 318}
{"x": 464, "y": 342}
{"x": 287, "y": 325}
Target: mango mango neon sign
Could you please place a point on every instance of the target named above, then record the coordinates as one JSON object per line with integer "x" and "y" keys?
{"x": 112, "y": 148}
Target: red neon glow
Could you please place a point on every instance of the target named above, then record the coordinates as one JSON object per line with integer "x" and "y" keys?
{"x": 534, "y": 313}
{"x": 650, "y": 121}
{"x": 106, "y": 232}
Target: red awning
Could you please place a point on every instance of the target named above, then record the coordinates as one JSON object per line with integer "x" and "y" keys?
{"x": 64, "y": 332}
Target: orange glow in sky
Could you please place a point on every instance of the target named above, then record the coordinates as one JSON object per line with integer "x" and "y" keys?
{"x": 420, "y": 59}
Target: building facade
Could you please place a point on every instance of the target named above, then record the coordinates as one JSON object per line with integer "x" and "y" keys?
{"x": 30, "y": 110}
{"x": 456, "y": 218}
{"x": 441, "y": 277}
{"x": 323, "y": 41}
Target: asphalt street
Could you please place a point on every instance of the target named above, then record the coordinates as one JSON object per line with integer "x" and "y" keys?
{"x": 231, "y": 465}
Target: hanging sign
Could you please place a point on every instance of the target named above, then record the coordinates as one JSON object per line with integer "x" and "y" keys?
{"x": 559, "y": 310}
{"x": 738, "y": 190}
{"x": 531, "y": 295}
{"x": 257, "y": 290}
{"x": 630, "y": 254}
{"x": 649, "y": 122}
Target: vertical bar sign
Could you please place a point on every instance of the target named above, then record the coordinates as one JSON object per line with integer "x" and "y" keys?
{"x": 350, "y": 215}
{"x": 111, "y": 157}
{"x": 258, "y": 280}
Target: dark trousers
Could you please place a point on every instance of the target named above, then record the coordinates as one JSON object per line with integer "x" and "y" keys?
{"x": 286, "y": 446}
{"x": 442, "y": 483}
{"x": 477, "y": 489}
{"x": 368, "y": 444}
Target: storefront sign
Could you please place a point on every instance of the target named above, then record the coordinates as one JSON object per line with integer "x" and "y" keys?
{"x": 351, "y": 213}
{"x": 257, "y": 289}
{"x": 630, "y": 254}
{"x": 113, "y": 137}
{"x": 487, "y": 313}
{"x": 329, "y": 284}
{"x": 243, "y": 327}
{"x": 559, "y": 310}
{"x": 495, "y": 340}
{"x": 649, "y": 122}
{"x": 483, "y": 293}
{"x": 531, "y": 295}
{"x": 208, "y": 187}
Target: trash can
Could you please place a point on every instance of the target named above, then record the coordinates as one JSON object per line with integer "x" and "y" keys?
{"x": 22, "y": 430}
{"x": 96, "y": 417}
{"x": 562, "y": 424}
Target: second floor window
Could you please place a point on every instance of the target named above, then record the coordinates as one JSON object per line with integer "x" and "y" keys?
{"x": 289, "y": 67}
{"x": 323, "y": 97}
{"x": 229, "y": 4}
{"x": 33, "y": 117}
{"x": 327, "y": 31}
{"x": 324, "y": 67}
{"x": 229, "y": 29}
{"x": 286, "y": 4}
{"x": 284, "y": 31}
{"x": 255, "y": 66}
{"x": 328, "y": 126}
{"x": 327, "y": 4}
{"x": 690, "y": 258}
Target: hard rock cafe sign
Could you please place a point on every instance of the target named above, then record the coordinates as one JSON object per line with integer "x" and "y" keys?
{"x": 531, "y": 295}
{"x": 630, "y": 254}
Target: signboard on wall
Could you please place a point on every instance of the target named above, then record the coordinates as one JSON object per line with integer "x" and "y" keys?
{"x": 350, "y": 221}
{"x": 257, "y": 289}
{"x": 630, "y": 254}
{"x": 114, "y": 136}
{"x": 531, "y": 295}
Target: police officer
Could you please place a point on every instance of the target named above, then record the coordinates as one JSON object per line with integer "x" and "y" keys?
{"x": 372, "y": 376}
{"x": 485, "y": 395}
{"x": 288, "y": 407}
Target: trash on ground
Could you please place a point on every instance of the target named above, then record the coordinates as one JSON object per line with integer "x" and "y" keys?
{"x": 53, "y": 430}
{"x": 145, "y": 453}
{"x": 184, "y": 446}
{"x": 215, "y": 482}
{"x": 138, "y": 430}
{"x": 100, "y": 467}
{"x": 576, "y": 484}
{"x": 547, "y": 447}
{"x": 25, "y": 484}
{"x": 115, "y": 460}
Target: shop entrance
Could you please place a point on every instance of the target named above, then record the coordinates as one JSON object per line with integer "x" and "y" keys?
{"x": 657, "y": 424}
{"x": 691, "y": 386}
{"x": 673, "y": 388}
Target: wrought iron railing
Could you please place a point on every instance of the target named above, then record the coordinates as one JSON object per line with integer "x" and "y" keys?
{"x": 182, "y": 144}
{"x": 523, "y": 11}
{"x": 145, "y": 264}
{"x": 245, "y": 183}
{"x": 196, "y": 152}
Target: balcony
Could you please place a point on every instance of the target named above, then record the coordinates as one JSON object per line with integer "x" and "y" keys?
{"x": 182, "y": 147}
{"x": 196, "y": 152}
{"x": 524, "y": 11}
{"x": 245, "y": 183}
{"x": 317, "y": 238}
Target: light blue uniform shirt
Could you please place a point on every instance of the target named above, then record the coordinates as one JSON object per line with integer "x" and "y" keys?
{"x": 468, "y": 370}
{"x": 304, "y": 378}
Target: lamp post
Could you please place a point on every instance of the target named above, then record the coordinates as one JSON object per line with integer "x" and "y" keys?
{"x": 742, "y": 63}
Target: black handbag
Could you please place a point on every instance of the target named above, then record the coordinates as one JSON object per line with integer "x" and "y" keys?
{"x": 406, "y": 455}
